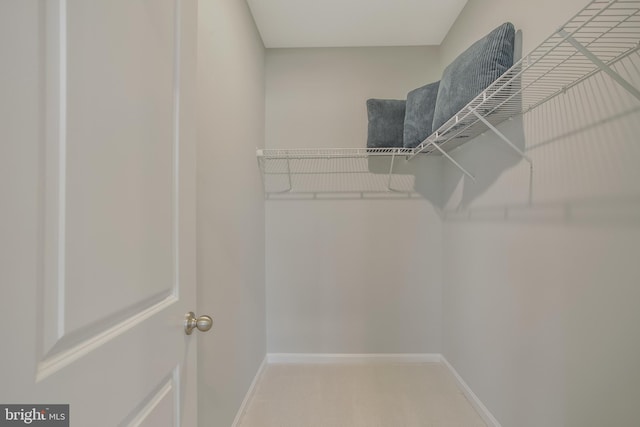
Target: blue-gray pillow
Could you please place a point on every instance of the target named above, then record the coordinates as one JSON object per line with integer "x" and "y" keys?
{"x": 386, "y": 122}
{"x": 473, "y": 71}
{"x": 418, "y": 118}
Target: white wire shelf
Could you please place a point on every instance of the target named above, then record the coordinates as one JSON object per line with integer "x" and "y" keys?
{"x": 594, "y": 40}
{"x": 340, "y": 170}
{"x": 330, "y": 153}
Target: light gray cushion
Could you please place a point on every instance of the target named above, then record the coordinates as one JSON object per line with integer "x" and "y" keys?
{"x": 473, "y": 71}
{"x": 421, "y": 104}
{"x": 386, "y": 122}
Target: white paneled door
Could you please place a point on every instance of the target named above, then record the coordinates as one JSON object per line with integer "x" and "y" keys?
{"x": 97, "y": 180}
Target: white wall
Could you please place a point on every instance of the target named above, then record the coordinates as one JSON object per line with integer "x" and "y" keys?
{"x": 351, "y": 275}
{"x": 540, "y": 303}
{"x": 230, "y": 207}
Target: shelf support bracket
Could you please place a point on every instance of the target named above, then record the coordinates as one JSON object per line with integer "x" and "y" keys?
{"x": 260, "y": 159}
{"x": 444, "y": 153}
{"x": 289, "y": 176}
{"x": 501, "y": 136}
{"x": 598, "y": 62}
{"x": 393, "y": 159}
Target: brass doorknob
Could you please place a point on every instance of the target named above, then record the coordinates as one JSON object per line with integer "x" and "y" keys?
{"x": 191, "y": 322}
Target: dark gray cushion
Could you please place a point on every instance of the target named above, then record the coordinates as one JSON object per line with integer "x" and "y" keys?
{"x": 421, "y": 104}
{"x": 386, "y": 122}
{"x": 473, "y": 71}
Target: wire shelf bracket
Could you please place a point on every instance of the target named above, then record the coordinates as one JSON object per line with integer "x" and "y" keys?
{"x": 601, "y": 65}
{"x": 393, "y": 160}
{"x": 502, "y": 137}
{"x": 595, "y": 40}
{"x": 286, "y": 167}
{"x": 452, "y": 160}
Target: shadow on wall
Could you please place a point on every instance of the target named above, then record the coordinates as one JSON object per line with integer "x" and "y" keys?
{"x": 419, "y": 177}
{"x": 371, "y": 177}
{"x": 352, "y": 178}
{"x": 487, "y": 165}
{"x": 583, "y": 145}
{"x": 545, "y": 265}
{"x": 386, "y": 177}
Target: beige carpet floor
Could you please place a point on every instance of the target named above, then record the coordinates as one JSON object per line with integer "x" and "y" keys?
{"x": 354, "y": 395}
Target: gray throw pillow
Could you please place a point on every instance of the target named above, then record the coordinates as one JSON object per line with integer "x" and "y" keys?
{"x": 473, "y": 71}
{"x": 386, "y": 122}
{"x": 421, "y": 104}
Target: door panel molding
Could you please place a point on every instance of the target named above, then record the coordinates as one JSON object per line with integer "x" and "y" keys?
{"x": 156, "y": 402}
{"x": 65, "y": 356}
{"x": 55, "y": 176}
{"x": 57, "y": 346}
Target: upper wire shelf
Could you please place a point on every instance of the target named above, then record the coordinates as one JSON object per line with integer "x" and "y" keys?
{"x": 595, "y": 39}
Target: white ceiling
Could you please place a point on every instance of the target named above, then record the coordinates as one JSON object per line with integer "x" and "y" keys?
{"x": 339, "y": 23}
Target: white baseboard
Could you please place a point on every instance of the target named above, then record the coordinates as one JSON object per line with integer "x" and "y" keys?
{"x": 327, "y": 358}
{"x": 477, "y": 404}
{"x": 249, "y": 395}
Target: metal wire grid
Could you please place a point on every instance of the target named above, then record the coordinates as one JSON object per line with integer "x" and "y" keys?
{"x": 596, "y": 38}
{"x": 346, "y": 174}
{"x": 326, "y": 153}
{"x": 609, "y": 30}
